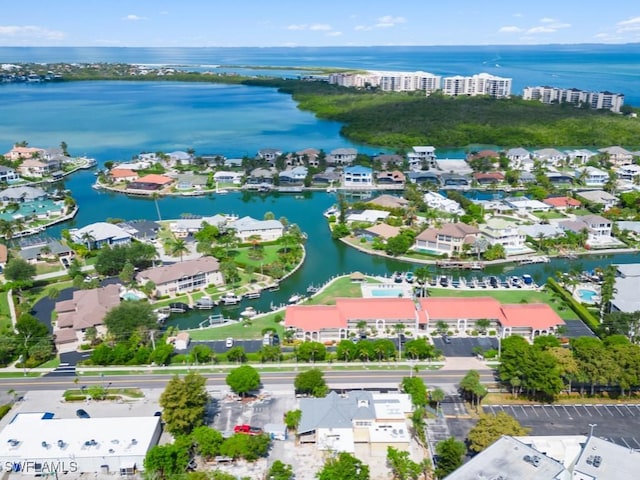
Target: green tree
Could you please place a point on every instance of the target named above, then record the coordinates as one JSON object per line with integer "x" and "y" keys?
{"x": 167, "y": 461}
{"x": 311, "y": 352}
{"x": 124, "y": 319}
{"x": 183, "y": 403}
{"x": 207, "y": 441}
{"x": 344, "y": 466}
{"x": 19, "y": 270}
{"x": 311, "y": 382}
{"x": 178, "y": 247}
{"x": 292, "y": 419}
{"x": 450, "y": 453}
{"x": 249, "y": 447}
{"x": 243, "y": 380}
{"x": 202, "y": 353}
{"x": 237, "y": 354}
{"x": 415, "y": 387}
{"x": 29, "y": 332}
{"x": 437, "y": 395}
{"x": 401, "y": 465}
{"x": 491, "y": 427}
{"x": 127, "y": 273}
{"x": 280, "y": 471}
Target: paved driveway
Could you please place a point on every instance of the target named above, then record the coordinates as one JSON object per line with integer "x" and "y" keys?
{"x": 463, "y": 347}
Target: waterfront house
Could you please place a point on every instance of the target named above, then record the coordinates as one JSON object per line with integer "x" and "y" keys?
{"x": 591, "y": 176}
{"x": 357, "y": 176}
{"x": 579, "y": 156}
{"x": 293, "y": 176}
{"x": 329, "y": 176}
{"x": 625, "y": 291}
{"x": 87, "y": 308}
{"x": 180, "y": 158}
{"x": 342, "y": 156}
{"x": 181, "y": 277}
{"x": 421, "y": 157}
{"x": 488, "y": 178}
{"x": 189, "y": 181}
{"x": 549, "y": 156}
{"x": 446, "y": 240}
{"x": 151, "y": 182}
{"x": 454, "y": 180}
{"x": 100, "y": 234}
{"x": 35, "y": 168}
{"x": 123, "y": 175}
{"x": 488, "y": 154}
{"x": 23, "y": 194}
{"x": 424, "y": 177}
{"x": 357, "y": 418}
{"x": 517, "y": 156}
{"x": 599, "y": 197}
{"x": 23, "y": 153}
{"x": 309, "y": 157}
{"x": 442, "y": 203}
{"x": 617, "y": 155}
{"x": 599, "y": 230}
{"x": 390, "y": 201}
{"x": 381, "y": 230}
{"x": 629, "y": 173}
{"x": 224, "y": 176}
{"x": 46, "y": 249}
{"x": 366, "y": 216}
{"x": 538, "y": 230}
{"x": 559, "y": 178}
{"x": 143, "y": 230}
{"x": 562, "y": 203}
{"x": 265, "y": 230}
{"x": 269, "y": 154}
{"x": 505, "y": 233}
{"x": 523, "y": 205}
{"x": 8, "y": 175}
{"x": 183, "y": 227}
{"x": 389, "y": 161}
{"x": 396, "y": 178}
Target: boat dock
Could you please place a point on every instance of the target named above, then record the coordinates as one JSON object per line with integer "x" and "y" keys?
{"x": 459, "y": 265}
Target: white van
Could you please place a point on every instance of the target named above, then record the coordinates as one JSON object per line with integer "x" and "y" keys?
{"x": 266, "y": 340}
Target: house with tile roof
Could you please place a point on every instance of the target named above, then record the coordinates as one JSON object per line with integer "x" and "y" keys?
{"x": 123, "y": 174}
{"x": 342, "y": 156}
{"x": 266, "y": 230}
{"x": 617, "y": 155}
{"x": 99, "y": 234}
{"x": 562, "y": 203}
{"x": 181, "y": 277}
{"x": 87, "y": 308}
{"x": 338, "y": 422}
{"x": 446, "y": 240}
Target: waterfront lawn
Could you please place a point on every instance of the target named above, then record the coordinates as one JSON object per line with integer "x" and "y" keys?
{"x": 251, "y": 329}
{"x": 269, "y": 256}
{"x": 342, "y": 287}
{"x": 511, "y": 296}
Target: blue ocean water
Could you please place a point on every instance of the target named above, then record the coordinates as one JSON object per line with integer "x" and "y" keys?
{"x": 598, "y": 67}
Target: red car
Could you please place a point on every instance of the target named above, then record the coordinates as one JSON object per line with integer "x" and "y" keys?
{"x": 249, "y": 430}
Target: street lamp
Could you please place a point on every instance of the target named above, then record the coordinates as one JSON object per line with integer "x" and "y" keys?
{"x": 591, "y": 425}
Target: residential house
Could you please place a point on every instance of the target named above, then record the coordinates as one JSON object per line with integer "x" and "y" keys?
{"x": 265, "y": 230}
{"x": 617, "y": 155}
{"x": 4, "y": 256}
{"x": 293, "y": 176}
{"x": 442, "y": 203}
{"x": 123, "y": 175}
{"x": 488, "y": 178}
{"x": 342, "y": 156}
{"x": 421, "y": 157}
{"x": 308, "y": 157}
{"x": 23, "y": 194}
{"x": 180, "y": 341}
{"x": 390, "y": 178}
{"x": 599, "y": 197}
{"x": 524, "y": 205}
{"x": 340, "y": 321}
{"x": 357, "y": 176}
{"x": 625, "y": 290}
{"x": 35, "y": 168}
{"x": 183, "y": 227}
{"x": 562, "y": 203}
{"x": 597, "y": 225}
{"x": 389, "y": 161}
{"x": 366, "y": 216}
{"x": 516, "y": 157}
{"x": 629, "y": 173}
{"x": 549, "y": 156}
{"x": 328, "y": 177}
{"x": 188, "y": 181}
{"x": 390, "y": 201}
{"x": 23, "y": 153}
{"x": 538, "y": 230}
{"x": 142, "y": 230}
{"x": 151, "y": 182}
{"x": 528, "y": 320}
{"x": 97, "y": 235}
{"x": 446, "y": 240}
{"x": 591, "y": 176}
{"x": 339, "y": 422}
{"x": 424, "y": 177}
{"x": 87, "y": 308}
{"x": 559, "y": 178}
{"x": 380, "y": 230}
{"x": 579, "y": 156}
{"x": 269, "y": 154}
{"x": 180, "y": 158}
{"x": 8, "y": 175}
{"x": 46, "y": 249}
{"x": 224, "y": 176}
{"x": 505, "y": 233}
{"x": 454, "y": 180}
{"x": 182, "y": 277}
{"x": 599, "y": 229}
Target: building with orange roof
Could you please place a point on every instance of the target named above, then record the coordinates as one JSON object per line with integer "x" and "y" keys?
{"x": 150, "y": 182}
{"x": 123, "y": 175}
{"x": 562, "y": 203}
{"x": 324, "y": 323}
{"x": 21, "y": 153}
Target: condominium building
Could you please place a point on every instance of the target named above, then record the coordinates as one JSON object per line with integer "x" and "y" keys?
{"x": 388, "y": 81}
{"x": 480, "y": 84}
{"x": 596, "y": 100}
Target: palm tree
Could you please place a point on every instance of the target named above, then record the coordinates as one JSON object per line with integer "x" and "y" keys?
{"x": 7, "y": 229}
{"x": 437, "y": 396}
{"x": 178, "y": 247}
{"x": 155, "y": 196}
{"x": 88, "y": 239}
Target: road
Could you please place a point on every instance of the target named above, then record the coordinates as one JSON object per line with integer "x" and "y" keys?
{"x": 270, "y": 380}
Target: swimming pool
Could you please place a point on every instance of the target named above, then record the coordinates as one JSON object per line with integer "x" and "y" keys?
{"x": 587, "y": 296}
{"x": 387, "y": 292}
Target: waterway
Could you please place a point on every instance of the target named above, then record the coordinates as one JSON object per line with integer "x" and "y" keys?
{"x": 325, "y": 259}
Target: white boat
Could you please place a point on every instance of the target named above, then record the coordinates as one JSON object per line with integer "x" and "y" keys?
{"x": 249, "y": 312}
{"x": 230, "y": 298}
{"x": 295, "y": 298}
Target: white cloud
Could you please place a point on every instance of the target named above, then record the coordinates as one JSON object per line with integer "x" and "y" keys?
{"x": 320, "y": 26}
{"x": 30, "y": 31}
{"x": 362, "y": 28}
{"x": 297, "y": 27}
{"x": 389, "y": 21}
{"x": 550, "y": 27}
{"x": 547, "y": 20}
{"x": 630, "y": 25}
{"x": 510, "y": 29}
{"x": 334, "y": 34}
{"x": 133, "y": 18}
{"x": 164, "y": 12}
{"x": 535, "y": 30}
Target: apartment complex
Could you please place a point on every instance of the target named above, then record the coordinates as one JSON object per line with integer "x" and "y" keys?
{"x": 596, "y": 100}
{"x": 480, "y": 84}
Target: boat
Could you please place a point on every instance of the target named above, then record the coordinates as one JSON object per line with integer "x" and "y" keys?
{"x": 409, "y": 277}
{"x": 249, "y": 312}
{"x": 230, "y": 298}
{"x": 179, "y": 307}
{"x": 295, "y": 298}
{"x": 252, "y": 295}
{"x": 205, "y": 303}
{"x": 312, "y": 289}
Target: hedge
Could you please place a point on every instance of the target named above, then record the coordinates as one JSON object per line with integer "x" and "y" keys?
{"x": 579, "y": 309}
{"x": 4, "y": 409}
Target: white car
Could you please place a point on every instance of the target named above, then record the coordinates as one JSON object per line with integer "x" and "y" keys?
{"x": 229, "y": 342}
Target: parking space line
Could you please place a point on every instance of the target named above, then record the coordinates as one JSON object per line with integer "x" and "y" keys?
{"x": 634, "y": 439}
{"x": 534, "y": 411}
{"x": 608, "y": 409}
{"x": 587, "y": 410}
{"x": 619, "y": 411}
{"x": 544, "y": 409}
{"x": 630, "y": 411}
{"x": 625, "y": 442}
{"x": 555, "y": 410}
{"x": 566, "y": 411}
{"x": 514, "y": 412}
{"x": 524, "y": 411}
{"x": 577, "y": 411}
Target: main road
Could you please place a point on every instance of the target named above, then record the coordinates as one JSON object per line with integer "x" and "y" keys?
{"x": 281, "y": 380}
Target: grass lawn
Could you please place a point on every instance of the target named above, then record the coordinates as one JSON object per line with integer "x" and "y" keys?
{"x": 5, "y": 315}
{"x": 42, "y": 268}
{"x": 53, "y": 363}
{"x": 250, "y": 330}
{"x": 510, "y": 296}
{"x": 268, "y": 255}
{"x": 342, "y": 287}
{"x": 550, "y": 215}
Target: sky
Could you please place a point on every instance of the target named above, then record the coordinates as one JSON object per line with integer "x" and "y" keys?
{"x": 277, "y": 23}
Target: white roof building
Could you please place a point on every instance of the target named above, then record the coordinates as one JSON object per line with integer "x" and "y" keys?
{"x": 38, "y": 443}
{"x": 98, "y": 234}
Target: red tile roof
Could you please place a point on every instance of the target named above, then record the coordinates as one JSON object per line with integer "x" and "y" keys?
{"x": 453, "y": 308}
{"x": 562, "y": 202}
{"x": 376, "y": 308}
{"x": 314, "y": 317}
{"x": 155, "y": 178}
{"x": 538, "y": 316}
{"x": 122, "y": 173}
{"x": 488, "y": 175}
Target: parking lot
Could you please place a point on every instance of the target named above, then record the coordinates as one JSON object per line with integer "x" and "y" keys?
{"x": 463, "y": 346}
{"x": 619, "y": 423}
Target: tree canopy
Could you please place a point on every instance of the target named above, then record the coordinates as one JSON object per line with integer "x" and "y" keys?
{"x": 19, "y": 270}
{"x": 491, "y": 427}
{"x": 183, "y": 402}
{"x": 244, "y": 379}
{"x": 129, "y": 317}
{"x": 311, "y": 382}
{"x": 450, "y": 453}
{"x": 344, "y": 466}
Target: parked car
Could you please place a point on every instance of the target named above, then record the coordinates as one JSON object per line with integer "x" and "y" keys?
{"x": 446, "y": 339}
{"x": 247, "y": 429}
{"x": 80, "y": 413}
{"x": 229, "y": 342}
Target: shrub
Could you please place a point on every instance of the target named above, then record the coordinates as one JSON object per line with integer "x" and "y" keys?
{"x": 576, "y": 306}
{"x": 4, "y": 409}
